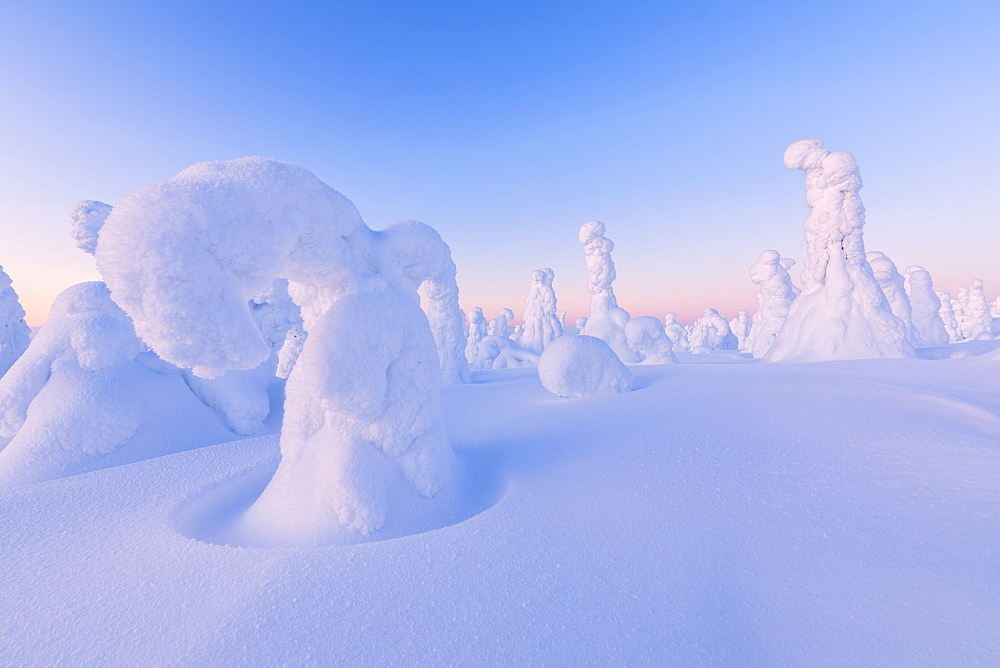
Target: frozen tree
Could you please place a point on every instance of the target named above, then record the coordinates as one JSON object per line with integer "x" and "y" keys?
{"x": 894, "y": 288}
{"x": 502, "y": 352}
{"x": 582, "y": 366}
{"x": 740, "y": 327}
{"x": 541, "y": 325}
{"x": 995, "y": 309}
{"x": 775, "y": 294}
{"x": 977, "y": 323}
{"x": 498, "y": 326}
{"x": 86, "y": 219}
{"x": 711, "y": 332}
{"x": 948, "y": 317}
{"x": 676, "y": 332}
{"x": 478, "y": 330}
{"x": 242, "y": 394}
{"x": 581, "y": 324}
{"x": 607, "y": 320}
{"x": 926, "y": 308}
{"x": 15, "y": 335}
{"x": 647, "y": 337}
{"x": 842, "y": 312}
{"x": 361, "y": 428}
{"x": 85, "y": 396}
{"x": 562, "y": 319}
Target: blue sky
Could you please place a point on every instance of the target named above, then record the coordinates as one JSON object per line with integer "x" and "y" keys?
{"x": 507, "y": 125}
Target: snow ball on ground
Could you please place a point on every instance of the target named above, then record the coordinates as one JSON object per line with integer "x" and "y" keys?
{"x": 582, "y": 366}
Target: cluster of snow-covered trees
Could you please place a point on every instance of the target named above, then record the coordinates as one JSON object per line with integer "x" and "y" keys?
{"x": 236, "y": 280}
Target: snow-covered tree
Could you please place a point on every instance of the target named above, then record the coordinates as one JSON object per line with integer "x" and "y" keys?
{"x": 184, "y": 257}
{"x": 607, "y": 319}
{"x": 498, "y": 326}
{"x": 926, "y": 308}
{"x": 711, "y": 332}
{"x": 960, "y": 306}
{"x": 86, "y": 219}
{"x": 15, "y": 335}
{"x": 676, "y": 332}
{"x": 995, "y": 309}
{"x": 948, "y": 317}
{"x": 740, "y": 327}
{"x": 842, "y": 312}
{"x": 894, "y": 289}
{"x": 478, "y": 330}
{"x": 647, "y": 337}
{"x": 581, "y": 324}
{"x": 85, "y": 396}
{"x": 977, "y": 323}
{"x": 541, "y": 325}
{"x": 775, "y": 293}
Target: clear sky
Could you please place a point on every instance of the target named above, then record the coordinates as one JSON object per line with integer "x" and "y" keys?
{"x": 507, "y": 125}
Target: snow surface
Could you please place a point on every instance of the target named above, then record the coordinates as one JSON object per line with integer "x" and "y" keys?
{"x": 842, "y": 312}
{"x": 842, "y": 513}
{"x": 582, "y": 366}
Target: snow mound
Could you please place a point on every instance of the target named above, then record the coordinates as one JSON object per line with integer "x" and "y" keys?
{"x": 647, "y": 337}
{"x": 582, "y": 366}
{"x": 84, "y": 396}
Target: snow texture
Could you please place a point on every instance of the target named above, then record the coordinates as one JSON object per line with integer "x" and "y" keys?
{"x": 541, "y": 324}
{"x": 894, "y": 288}
{"x": 86, "y": 219}
{"x": 84, "y": 396}
{"x": 647, "y": 337}
{"x": 361, "y": 430}
{"x": 607, "y": 320}
{"x": 711, "y": 332}
{"x": 842, "y": 312}
{"x": 926, "y": 308}
{"x": 775, "y": 294}
{"x": 15, "y": 335}
{"x": 676, "y": 332}
{"x": 582, "y": 366}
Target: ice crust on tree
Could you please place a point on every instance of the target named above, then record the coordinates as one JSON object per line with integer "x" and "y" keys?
{"x": 894, "y": 288}
{"x": 15, "y": 335}
{"x": 926, "y": 308}
{"x": 711, "y": 332}
{"x": 582, "y": 366}
{"x": 606, "y": 320}
{"x": 842, "y": 312}
{"x": 647, "y": 337}
{"x": 86, "y": 219}
{"x": 541, "y": 324}
{"x": 361, "y": 427}
{"x": 740, "y": 327}
{"x": 775, "y": 294}
{"x": 85, "y": 396}
{"x": 498, "y": 326}
{"x": 676, "y": 332}
{"x": 491, "y": 346}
